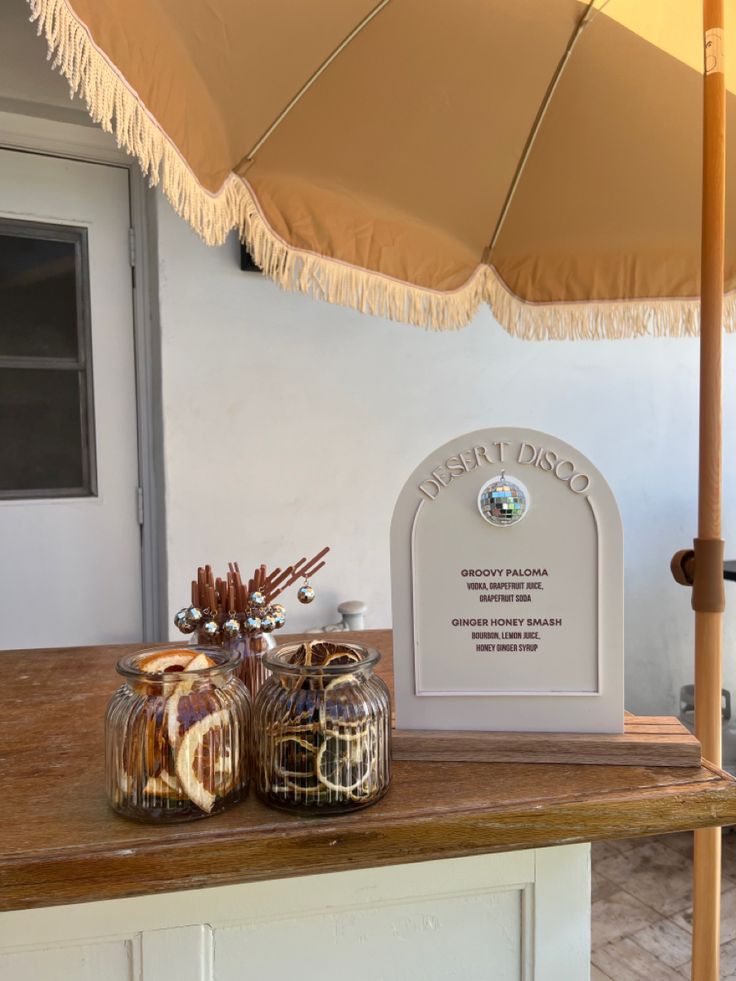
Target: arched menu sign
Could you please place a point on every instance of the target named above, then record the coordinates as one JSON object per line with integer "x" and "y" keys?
{"x": 507, "y": 581}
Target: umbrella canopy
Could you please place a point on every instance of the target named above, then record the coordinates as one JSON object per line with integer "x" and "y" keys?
{"x": 415, "y": 158}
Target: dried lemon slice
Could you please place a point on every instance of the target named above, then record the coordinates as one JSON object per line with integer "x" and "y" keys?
{"x": 344, "y": 762}
{"x": 294, "y": 756}
{"x": 338, "y": 681}
{"x": 197, "y": 757}
{"x": 300, "y": 655}
{"x": 292, "y": 769}
{"x": 344, "y": 657}
{"x": 320, "y": 653}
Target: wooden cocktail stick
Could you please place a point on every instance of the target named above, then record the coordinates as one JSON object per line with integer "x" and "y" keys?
{"x": 221, "y": 597}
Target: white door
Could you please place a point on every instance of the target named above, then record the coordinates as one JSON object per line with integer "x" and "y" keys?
{"x": 70, "y": 543}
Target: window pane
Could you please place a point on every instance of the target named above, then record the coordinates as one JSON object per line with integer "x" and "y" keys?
{"x": 38, "y": 294}
{"x": 42, "y": 442}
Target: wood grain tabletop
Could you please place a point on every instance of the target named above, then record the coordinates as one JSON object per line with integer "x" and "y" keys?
{"x": 62, "y": 844}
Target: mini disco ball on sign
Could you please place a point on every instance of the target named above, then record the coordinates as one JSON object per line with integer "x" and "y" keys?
{"x": 503, "y": 501}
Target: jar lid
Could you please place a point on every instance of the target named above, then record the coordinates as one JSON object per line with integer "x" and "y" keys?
{"x": 320, "y": 657}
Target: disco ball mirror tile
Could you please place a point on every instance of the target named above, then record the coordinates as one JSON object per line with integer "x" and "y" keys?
{"x": 503, "y": 501}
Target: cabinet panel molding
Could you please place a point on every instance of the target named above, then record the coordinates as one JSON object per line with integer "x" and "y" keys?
{"x": 184, "y": 953}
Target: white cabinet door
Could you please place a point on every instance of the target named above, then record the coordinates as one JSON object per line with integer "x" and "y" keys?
{"x": 520, "y": 916}
{"x": 69, "y": 532}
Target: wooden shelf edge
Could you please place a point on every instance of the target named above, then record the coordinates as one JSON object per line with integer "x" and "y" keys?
{"x": 649, "y": 741}
{"x": 38, "y": 882}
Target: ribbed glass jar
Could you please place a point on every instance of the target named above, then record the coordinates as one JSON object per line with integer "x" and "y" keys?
{"x": 251, "y": 648}
{"x": 177, "y": 734}
{"x": 323, "y": 728}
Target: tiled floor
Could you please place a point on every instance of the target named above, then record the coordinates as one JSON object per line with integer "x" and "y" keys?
{"x": 642, "y": 911}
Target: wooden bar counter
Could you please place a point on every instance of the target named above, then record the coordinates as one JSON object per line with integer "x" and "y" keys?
{"x": 61, "y": 843}
{"x": 438, "y": 831}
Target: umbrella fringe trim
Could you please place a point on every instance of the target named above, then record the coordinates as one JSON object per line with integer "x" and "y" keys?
{"x": 114, "y": 105}
{"x": 375, "y": 293}
{"x": 599, "y": 320}
{"x": 367, "y": 291}
{"x": 118, "y": 109}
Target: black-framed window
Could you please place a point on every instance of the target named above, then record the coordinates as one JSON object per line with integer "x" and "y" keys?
{"x": 47, "y": 441}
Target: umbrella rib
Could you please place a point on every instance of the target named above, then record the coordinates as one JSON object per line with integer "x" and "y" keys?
{"x": 315, "y": 75}
{"x": 583, "y": 22}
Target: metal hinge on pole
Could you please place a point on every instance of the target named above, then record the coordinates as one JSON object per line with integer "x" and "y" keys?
{"x": 139, "y": 502}
{"x": 131, "y": 246}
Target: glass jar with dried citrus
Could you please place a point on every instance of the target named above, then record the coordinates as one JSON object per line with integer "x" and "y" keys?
{"x": 323, "y": 728}
{"x": 177, "y": 734}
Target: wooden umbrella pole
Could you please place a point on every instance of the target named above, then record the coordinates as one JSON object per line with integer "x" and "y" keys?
{"x": 708, "y": 594}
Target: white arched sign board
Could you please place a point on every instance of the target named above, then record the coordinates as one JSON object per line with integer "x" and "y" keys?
{"x": 507, "y": 583}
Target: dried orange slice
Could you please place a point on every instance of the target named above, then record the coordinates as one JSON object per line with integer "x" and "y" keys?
{"x": 199, "y": 760}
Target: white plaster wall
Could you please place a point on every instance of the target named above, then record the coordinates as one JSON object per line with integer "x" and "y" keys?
{"x": 290, "y": 424}
{"x": 24, "y": 72}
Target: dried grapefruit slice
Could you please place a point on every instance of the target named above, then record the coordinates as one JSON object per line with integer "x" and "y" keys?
{"x": 170, "y": 780}
{"x": 144, "y": 751}
{"x": 164, "y": 785}
{"x": 160, "y": 661}
{"x": 174, "y": 720}
{"x": 199, "y": 661}
{"x": 200, "y": 751}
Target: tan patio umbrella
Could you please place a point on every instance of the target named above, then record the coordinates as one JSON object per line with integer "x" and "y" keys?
{"x": 414, "y": 158}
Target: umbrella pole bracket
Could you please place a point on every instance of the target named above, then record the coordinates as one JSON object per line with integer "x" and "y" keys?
{"x": 702, "y": 568}
{"x": 683, "y": 566}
